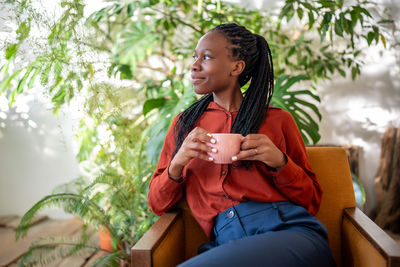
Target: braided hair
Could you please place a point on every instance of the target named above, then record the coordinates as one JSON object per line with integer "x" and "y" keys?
{"x": 253, "y": 49}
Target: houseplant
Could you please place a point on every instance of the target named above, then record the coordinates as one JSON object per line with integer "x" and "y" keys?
{"x": 119, "y": 145}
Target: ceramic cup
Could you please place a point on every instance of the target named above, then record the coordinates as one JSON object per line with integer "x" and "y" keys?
{"x": 227, "y": 146}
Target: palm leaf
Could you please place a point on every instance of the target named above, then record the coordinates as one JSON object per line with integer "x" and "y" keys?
{"x": 72, "y": 203}
{"x": 303, "y": 111}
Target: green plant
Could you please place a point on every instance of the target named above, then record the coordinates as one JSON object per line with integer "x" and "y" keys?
{"x": 148, "y": 45}
{"x": 113, "y": 194}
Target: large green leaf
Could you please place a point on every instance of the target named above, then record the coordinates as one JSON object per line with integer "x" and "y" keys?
{"x": 134, "y": 43}
{"x": 153, "y": 103}
{"x": 302, "y": 110}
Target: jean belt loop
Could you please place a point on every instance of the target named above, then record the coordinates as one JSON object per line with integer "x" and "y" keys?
{"x": 274, "y": 205}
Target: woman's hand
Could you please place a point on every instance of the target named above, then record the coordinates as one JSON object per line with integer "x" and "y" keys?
{"x": 194, "y": 146}
{"x": 260, "y": 147}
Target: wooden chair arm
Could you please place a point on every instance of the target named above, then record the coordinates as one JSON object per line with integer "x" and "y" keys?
{"x": 163, "y": 244}
{"x": 366, "y": 244}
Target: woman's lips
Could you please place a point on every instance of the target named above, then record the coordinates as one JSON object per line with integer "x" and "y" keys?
{"x": 196, "y": 80}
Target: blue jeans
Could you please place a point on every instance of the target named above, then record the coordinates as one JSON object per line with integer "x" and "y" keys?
{"x": 265, "y": 234}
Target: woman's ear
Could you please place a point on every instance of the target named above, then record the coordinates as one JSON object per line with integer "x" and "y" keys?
{"x": 238, "y": 68}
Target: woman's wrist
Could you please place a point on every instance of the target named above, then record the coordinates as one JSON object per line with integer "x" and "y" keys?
{"x": 285, "y": 160}
{"x": 175, "y": 172}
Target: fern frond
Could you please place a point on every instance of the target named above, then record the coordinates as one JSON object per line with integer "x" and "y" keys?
{"x": 113, "y": 181}
{"x": 121, "y": 193}
{"x": 46, "y": 250}
{"x": 111, "y": 260}
{"x": 74, "y": 186}
{"x": 73, "y": 203}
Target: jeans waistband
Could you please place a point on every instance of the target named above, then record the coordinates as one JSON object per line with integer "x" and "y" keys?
{"x": 246, "y": 208}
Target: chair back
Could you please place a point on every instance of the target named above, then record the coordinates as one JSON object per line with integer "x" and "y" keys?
{"x": 332, "y": 169}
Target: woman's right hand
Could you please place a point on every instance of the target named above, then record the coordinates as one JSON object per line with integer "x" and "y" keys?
{"x": 194, "y": 146}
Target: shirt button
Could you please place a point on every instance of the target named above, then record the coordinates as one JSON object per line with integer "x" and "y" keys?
{"x": 227, "y": 197}
{"x": 223, "y": 172}
{"x": 229, "y": 115}
{"x": 230, "y": 214}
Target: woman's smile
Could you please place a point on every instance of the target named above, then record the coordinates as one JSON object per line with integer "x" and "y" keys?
{"x": 197, "y": 79}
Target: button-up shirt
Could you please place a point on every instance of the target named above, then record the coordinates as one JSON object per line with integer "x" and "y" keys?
{"x": 211, "y": 188}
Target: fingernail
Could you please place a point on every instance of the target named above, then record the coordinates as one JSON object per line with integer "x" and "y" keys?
{"x": 234, "y": 158}
{"x": 210, "y": 159}
{"x": 213, "y": 140}
{"x": 209, "y": 135}
{"x": 214, "y": 150}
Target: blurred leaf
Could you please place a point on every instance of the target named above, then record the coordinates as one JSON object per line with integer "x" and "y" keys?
{"x": 151, "y": 104}
{"x": 353, "y": 73}
{"x": 44, "y": 77}
{"x": 286, "y": 10}
{"x": 33, "y": 77}
{"x": 300, "y": 13}
{"x": 11, "y": 51}
{"x": 311, "y": 19}
{"x": 23, "y": 30}
{"x": 134, "y": 44}
{"x": 383, "y": 40}
{"x": 339, "y": 27}
{"x": 370, "y": 38}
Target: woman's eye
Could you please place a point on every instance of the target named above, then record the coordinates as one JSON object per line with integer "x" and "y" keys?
{"x": 205, "y": 57}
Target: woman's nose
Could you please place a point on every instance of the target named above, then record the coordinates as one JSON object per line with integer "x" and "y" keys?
{"x": 195, "y": 65}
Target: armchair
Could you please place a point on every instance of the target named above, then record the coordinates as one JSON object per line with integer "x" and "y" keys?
{"x": 354, "y": 239}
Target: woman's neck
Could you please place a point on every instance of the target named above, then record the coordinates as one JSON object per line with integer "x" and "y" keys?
{"x": 230, "y": 101}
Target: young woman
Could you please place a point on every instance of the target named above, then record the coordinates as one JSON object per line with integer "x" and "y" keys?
{"x": 259, "y": 210}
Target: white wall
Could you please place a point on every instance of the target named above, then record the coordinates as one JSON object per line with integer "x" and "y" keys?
{"x": 35, "y": 155}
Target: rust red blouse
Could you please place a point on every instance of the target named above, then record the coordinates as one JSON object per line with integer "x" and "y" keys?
{"x": 212, "y": 188}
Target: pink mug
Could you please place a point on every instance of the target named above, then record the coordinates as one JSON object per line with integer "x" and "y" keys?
{"x": 227, "y": 145}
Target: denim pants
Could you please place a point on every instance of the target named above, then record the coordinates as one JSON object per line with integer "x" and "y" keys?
{"x": 277, "y": 234}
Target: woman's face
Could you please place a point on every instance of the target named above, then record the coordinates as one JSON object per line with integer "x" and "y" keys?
{"x": 213, "y": 64}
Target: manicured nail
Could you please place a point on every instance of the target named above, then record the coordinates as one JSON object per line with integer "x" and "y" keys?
{"x": 210, "y": 159}
{"x": 234, "y": 158}
{"x": 213, "y": 140}
{"x": 214, "y": 150}
{"x": 209, "y": 135}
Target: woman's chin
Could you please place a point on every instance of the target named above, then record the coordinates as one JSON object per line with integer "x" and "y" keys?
{"x": 201, "y": 91}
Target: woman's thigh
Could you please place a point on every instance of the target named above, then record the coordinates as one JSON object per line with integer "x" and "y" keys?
{"x": 281, "y": 248}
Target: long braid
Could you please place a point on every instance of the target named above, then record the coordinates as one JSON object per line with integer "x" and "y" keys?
{"x": 188, "y": 118}
{"x": 255, "y": 52}
{"x": 253, "y": 49}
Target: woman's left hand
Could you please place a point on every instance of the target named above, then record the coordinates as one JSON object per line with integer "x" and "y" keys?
{"x": 260, "y": 147}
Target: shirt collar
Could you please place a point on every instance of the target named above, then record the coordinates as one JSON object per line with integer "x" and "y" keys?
{"x": 214, "y": 106}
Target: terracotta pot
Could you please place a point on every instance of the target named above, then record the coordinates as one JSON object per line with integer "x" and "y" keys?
{"x": 106, "y": 244}
{"x": 105, "y": 239}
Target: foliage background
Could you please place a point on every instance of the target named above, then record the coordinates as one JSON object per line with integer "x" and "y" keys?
{"x": 124, "y": 47}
